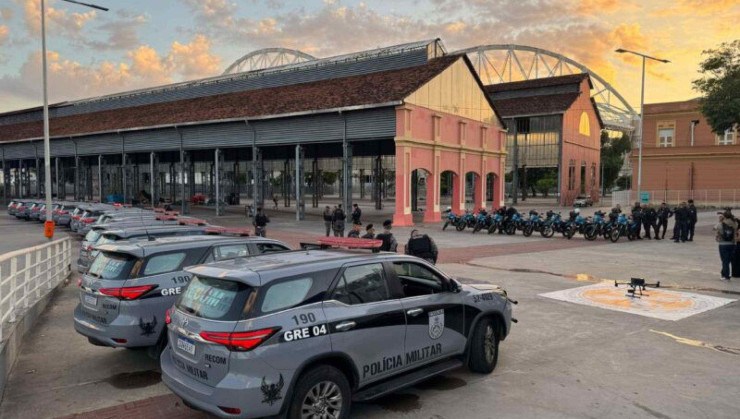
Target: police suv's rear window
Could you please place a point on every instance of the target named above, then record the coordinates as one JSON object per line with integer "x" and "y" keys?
{"x": 92, "y": 235}
{"x": 215, "y": 299}
{"x": 110, "y": 265}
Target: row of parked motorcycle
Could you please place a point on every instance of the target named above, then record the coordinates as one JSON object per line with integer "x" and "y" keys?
{"x": 611, "y": 227}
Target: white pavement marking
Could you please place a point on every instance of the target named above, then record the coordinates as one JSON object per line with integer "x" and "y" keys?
{"x": 656, "y": 303}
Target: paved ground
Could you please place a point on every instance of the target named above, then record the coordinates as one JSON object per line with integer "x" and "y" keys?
{"x": 561, "y": 360}
{"x": 16, "y": 234}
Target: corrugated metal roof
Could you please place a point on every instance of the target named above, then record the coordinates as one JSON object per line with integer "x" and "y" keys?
{"x": 347, "y": 92}
{"x": 364, "y": 62}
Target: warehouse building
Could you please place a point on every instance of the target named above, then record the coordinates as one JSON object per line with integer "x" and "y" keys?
{"x": 407, "y": 123}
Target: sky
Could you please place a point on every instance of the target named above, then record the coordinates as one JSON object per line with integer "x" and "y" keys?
{"x": 144, "y": 43}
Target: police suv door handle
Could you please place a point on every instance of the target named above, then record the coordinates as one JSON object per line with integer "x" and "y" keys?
{"x": 343, "y": 327}
{"x": 415, "y": 312}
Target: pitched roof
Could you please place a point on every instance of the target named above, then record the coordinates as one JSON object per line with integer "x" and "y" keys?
{"x": 367, "y": 89}
{"x": 538, "y": 83}
{"x": 535, "y": 105}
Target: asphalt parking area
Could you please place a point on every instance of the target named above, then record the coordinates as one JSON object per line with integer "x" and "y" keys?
{"x": 561, "y": 360}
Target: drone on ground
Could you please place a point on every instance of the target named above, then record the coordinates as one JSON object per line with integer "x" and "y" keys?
{"x": 636, "y": 287}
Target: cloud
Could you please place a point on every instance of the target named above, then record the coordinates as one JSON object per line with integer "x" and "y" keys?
{"x": 142, "y": 67}
{"x": 6, "y": 13}
{"x": 701, "y": 8}
{"x": 194, "y": 60}
{"x": 70, "y": 24}
{"x": 122, "y": 33}
{"x": 4, "y": 31}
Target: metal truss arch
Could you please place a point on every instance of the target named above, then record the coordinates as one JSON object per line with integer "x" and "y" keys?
{"x": 267, "y": 58}
{"x": 502, "y": 63}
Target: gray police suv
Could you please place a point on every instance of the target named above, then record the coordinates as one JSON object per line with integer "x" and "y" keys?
{"x": 129, "y": 286}
{"x": 302, "y": 334}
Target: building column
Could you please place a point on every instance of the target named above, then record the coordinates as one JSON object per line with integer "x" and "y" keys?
{"x": 77, "y": 179}
{"x": 378, "y": 183}
{"x": 217, "y": 182}
{"x": 300, "y": 201}
{"x": 403, "y": 217}
{"x": 258, "y": 177}
{"x": 38, "y": 179}
{"x": 317, "y": 182}
{"x": 479, "y": 192}
{"x": 346, "y": 175}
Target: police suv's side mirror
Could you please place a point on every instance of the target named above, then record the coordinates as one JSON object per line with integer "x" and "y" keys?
{"x": 454, "y": 286}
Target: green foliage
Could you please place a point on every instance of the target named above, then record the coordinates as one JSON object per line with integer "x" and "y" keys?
{"x": 329, "y": 177}
{"x": 624, "y": 182}
{"x": 546, "y": 184}
{"x": 613, "y": 151}
{"x": 720, "y": 86}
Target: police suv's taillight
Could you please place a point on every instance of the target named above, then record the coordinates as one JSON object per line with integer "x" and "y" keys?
{"x": 240, "y": 341}
{"x": 127, "y": 293}
{"x": 230, "y": 410}
{"x": 167, "y": 316}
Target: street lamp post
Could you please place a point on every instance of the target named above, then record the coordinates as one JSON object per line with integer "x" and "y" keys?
{"x": 49, "y": 224}
{"x": 642, "y": 111}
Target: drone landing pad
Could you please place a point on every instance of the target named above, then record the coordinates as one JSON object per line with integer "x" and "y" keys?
{"x": 656, "y": 303}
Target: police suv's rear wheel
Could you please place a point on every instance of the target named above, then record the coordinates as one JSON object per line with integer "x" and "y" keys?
{"x": 484, "y": 347}
{"x": 322, "y": 392}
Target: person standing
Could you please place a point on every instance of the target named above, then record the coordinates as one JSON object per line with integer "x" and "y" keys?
{"x": 691, "y": 220}
{"x": 648, "y": 220}
{"x": 369, "y": 232}
{"x": 356, "y": 214}
{"x": 736, "y": 257}
{"x": 338, "y": 221}
{"x": 260, "y": 223}
{"x": 422, "y": 246}
{"x": 328, "y": 216}
{"x": 664, "y": 213}
{"x": 389, "y": 242}
{"x": 637, "y": 219}
{"x": 681, "y": 228}
{"x": 726, "y": 238}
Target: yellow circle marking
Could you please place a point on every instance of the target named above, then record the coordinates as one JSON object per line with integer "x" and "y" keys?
{"x": 653, "y": 299}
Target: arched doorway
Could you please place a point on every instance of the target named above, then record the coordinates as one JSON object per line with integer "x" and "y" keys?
{"x": 490, "y": 190}
{"x": 474, "y": 193}
{"x": 422, "y": 193}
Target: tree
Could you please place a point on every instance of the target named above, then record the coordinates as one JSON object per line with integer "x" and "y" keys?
{"x": 329, "y": 177}
{"x": 613, "y": 151}
{"x": 544, "y": 185}
{"x": 720, "y": 86}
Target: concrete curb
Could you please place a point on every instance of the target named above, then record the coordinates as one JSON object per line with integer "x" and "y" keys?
{"x": 11, "y": 346}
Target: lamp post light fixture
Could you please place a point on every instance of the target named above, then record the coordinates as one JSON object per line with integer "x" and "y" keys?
{"x": 642, "y": 110}
{"x": 49, "y": 224}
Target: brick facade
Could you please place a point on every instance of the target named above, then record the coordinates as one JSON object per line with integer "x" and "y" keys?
{"x": 676, "y": 164}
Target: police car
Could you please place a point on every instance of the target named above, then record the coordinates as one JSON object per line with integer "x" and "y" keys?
{"x": 302, "y": 334}
{"x": 130, "y": 285}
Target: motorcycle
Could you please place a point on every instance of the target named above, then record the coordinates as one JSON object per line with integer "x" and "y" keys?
{"x": 532, "y": 224}
{"x": 496, "y": 223}
{"x": 482, "y": 221}
{"x": 596, "y": 227}
{"x": 450, "y": 219}
{"x": 514, "y": 224}
{"x": 625, "y": 227}
{"x": 465, "y": 221}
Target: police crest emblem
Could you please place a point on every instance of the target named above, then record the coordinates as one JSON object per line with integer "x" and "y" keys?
{"x": 436, "y": 323}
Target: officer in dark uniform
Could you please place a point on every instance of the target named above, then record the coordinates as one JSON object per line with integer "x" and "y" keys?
{"x": 356, "y": 214}
{"x": 260, "y": 223}
{"x": 691, "y": 221}
{"x": 682, "y": 220}
{"x": 369, "y": 232}
{"x": 355, "y": 232}
{"x": 421, "y": 245}
{"x": 389, "y": 242}
{"x": 649, "y": 217}
{"x": 637, "y": 218}
{"x": 664, "y": 213}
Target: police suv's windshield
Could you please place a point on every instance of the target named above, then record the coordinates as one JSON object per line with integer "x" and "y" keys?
{"x": 110, "y": 265}
{"x": 215, "y": 299}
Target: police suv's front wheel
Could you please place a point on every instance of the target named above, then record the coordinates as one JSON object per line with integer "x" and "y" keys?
{"x": 322, "y": 392}
{"x": 484, "y": 347}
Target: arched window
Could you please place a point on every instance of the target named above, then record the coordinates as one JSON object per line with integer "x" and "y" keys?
{"x": 584, "y": 127}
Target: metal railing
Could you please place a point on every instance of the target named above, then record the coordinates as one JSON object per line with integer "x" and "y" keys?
{"x": 717, "y": 198}
{"x": 27, "y": 275}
